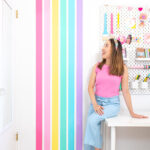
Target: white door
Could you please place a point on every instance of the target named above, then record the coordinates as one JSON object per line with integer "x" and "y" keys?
{"x": 7, "y": 121}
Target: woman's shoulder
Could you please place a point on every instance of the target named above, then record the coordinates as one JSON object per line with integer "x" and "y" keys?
{"x": 95, "y": 66}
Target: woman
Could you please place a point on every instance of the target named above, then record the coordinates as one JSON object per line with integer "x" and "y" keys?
{"x": 106, "y": 76}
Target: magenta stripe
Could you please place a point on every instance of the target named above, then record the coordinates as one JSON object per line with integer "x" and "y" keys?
{"x": 79, "y": 77}
{"x": 38, "y": 74}
{"x": 46, "y": 74}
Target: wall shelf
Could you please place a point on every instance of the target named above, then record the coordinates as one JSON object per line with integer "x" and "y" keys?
{"x": 142, "y": 59}
{"x": 125, "y": 59}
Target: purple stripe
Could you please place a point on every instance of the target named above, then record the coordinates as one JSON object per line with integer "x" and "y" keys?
{"x": 79, "y": 78}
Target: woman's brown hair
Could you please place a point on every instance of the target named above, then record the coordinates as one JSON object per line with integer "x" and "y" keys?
{"x": 116, "y": 62}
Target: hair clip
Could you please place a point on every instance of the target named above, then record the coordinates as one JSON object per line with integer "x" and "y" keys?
{"x": 116, "y": 43}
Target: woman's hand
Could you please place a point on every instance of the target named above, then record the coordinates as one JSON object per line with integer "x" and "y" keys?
{"x": 134, "y": 115}
{"x": 98, "y": 109}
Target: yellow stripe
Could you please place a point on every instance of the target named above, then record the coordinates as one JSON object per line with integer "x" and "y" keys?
{"x": 55, "y": 74}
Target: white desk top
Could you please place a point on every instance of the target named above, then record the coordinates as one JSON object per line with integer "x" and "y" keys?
{"x": 125, "y": 120}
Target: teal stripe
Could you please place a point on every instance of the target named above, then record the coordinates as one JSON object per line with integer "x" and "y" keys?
{"x": 71, "y": 72}
{"x": 63, "y": 71}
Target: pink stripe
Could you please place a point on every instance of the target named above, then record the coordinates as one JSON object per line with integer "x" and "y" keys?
{"x": 38, "y": 74}
{"x": 46, "y": 74}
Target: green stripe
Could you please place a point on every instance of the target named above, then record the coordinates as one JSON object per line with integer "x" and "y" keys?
{"x": 71, "y": 72}
{"x": 63, "y": 71}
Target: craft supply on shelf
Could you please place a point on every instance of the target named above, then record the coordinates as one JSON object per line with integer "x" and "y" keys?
{"x": 138, "y": 77}
{"x": 118, "y": 19}
{"x": 122, "y": 39}
{"x": 143, "y": 53}
{"x": 136, "y": 39}
{"x": 105, "y": 35}
{"x": 142, "y": 18}
{"x": 144, "y": 85}
{"x": 147, "y": 78}
{"x": 129, "y": 39}
{"x": 134, "y": 84}
{"x": 111, "y": 28}
{"x": 124, "y": 53}
{"x": 105, "y": 25}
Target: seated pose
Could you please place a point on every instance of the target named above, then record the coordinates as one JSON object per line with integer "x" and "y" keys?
{"x": 106, "y": 76}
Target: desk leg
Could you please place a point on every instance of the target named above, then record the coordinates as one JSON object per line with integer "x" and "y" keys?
{"x": 104, "y": 136}
{"x": 113, "y": 138}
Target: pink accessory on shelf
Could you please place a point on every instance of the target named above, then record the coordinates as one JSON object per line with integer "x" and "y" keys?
{"x": 122, "y": 39}
{"x": 111, "y": 28}
{"x": 140, "y": 8}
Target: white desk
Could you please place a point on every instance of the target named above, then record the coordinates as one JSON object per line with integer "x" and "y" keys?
{"x": 125, "y": 120}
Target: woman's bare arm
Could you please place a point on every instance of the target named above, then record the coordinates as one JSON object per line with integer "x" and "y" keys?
{"x": 92, "y": 84}
{"x": 125, "y": 90}
{"x": 126, "y": 94}
{"x": 91, "y": 91}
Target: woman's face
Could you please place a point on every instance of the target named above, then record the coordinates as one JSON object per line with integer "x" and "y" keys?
{"x": 106, "y": 50}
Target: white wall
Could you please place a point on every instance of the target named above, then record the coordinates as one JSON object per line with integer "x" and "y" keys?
{"x": 127, "y": 138}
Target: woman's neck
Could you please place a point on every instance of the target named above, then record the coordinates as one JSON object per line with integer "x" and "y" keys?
{"x": 107, "y": 62}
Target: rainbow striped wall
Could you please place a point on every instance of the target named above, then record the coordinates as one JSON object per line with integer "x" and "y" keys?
{"x": 59, "y": 75}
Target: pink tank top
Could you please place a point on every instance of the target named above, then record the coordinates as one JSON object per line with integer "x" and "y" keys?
{"x": 106, "y": 85}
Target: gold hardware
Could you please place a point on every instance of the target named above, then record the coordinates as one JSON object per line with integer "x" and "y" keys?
{"x": 17, "y": 136}
{"x": 16, "y": 13}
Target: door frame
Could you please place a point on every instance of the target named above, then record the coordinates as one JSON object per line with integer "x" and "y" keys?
{"x": 10, "y": 5}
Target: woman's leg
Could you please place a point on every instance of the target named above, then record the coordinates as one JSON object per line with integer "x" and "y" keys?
{"x": 93, "y": 136}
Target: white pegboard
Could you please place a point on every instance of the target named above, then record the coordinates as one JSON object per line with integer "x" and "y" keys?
{"x": 124, "y": 30}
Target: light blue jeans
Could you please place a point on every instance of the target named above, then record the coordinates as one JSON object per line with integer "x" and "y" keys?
{"x": 93, "y": 136}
